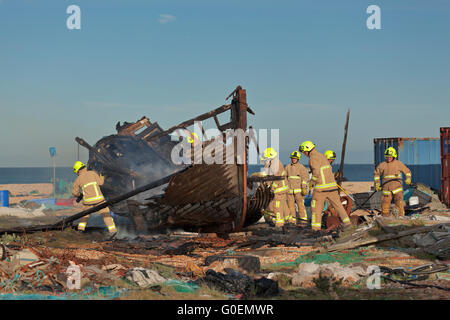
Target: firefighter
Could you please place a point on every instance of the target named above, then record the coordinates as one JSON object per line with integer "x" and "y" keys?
{"x": 391, "y": 170}
{"x": 325, "y": 186}
{"x": 298, "y": 177}
{"x": 331, "y": 156}
{"x": 88, "y": 185}
{"x": 280, "y": 188}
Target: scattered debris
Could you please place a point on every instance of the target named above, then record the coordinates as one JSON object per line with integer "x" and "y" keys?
{"x": 242, "y": 263}
{"x": 359, "y": 241}
{"x": 235, "y": 282}
{"x": 26, "y": 256}
{"x": 308, "y": 272}
{"x": 144, "y": 277}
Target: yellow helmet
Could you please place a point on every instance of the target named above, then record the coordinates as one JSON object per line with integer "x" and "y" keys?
{"x": 330, "y": 154}
{"x": 295, "y": 155}
{"x": 390, "y": 152}
{"x": 269, "y": 153}
{"x": 77, "y": 166}
{"x": 192, "y": 137}
{"x": 306, "y": 146}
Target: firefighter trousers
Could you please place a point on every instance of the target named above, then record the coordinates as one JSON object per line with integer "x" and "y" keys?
{"x": 318, "y": 203}
{"x": 106, "y": 215}
{"x": 386, "y": 202}
{"x": 280, "y": 209}
{"x": 299, "y": 199}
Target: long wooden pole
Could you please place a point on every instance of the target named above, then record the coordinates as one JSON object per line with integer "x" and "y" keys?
{"x": 344, "y": 144}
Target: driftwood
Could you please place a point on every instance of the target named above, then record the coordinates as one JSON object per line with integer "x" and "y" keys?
{"x": 384, "y": 226}
{"x": 392, "y": 220}
{"x": 383, "y": 237}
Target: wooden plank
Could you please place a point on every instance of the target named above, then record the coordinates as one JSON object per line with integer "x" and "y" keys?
{"x": 190, "y": 122}
{"x": 216, "y": 120}
{"x": 382, "y": 237}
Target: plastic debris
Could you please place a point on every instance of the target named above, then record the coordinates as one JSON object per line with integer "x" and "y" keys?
{"x": 180, "y": 286}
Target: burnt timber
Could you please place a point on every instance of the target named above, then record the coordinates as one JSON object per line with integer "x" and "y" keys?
{"x": 202, "y": 197}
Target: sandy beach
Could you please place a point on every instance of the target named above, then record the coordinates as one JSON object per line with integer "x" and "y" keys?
{"x": 19, "y": 192}
{"x": 357, "y": 186}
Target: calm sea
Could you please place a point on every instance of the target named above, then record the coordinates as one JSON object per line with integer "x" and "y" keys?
{"x": 353, "y": 172}
{"x": 35, "y": 175}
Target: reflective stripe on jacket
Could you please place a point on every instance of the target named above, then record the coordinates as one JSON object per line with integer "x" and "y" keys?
{"x": 390, "y": 171}
{"x": 88, "y": 184}
{"x": 276, "y": 168}
{"x": 322, "y": 173}
{"x": 297, "y": 176}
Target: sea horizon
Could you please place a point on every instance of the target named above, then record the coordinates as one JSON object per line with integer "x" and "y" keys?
{"x": 28, "y": 175}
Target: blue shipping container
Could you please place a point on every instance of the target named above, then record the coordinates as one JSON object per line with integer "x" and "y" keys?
{"x": 421, "y": 155}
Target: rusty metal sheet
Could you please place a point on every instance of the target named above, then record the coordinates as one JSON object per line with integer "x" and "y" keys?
{"x": 445, "y": 165}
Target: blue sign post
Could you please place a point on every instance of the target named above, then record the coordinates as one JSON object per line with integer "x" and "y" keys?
{"x": 52, "y": 151}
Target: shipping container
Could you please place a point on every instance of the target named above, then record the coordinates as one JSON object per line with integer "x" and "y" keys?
{"x": 421, "y": 155}
{"x": 445, "y": 165}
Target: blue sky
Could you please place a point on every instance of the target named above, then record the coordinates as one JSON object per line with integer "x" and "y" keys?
{"x": 303, "y": 64}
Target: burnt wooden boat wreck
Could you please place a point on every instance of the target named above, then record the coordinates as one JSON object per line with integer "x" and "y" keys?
{"x": 200, "y": 197}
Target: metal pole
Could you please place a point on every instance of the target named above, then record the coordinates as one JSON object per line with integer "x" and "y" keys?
{"x": 54, "y": 176}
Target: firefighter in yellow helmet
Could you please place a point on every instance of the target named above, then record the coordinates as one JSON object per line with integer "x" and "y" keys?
{"x": 325, "y": 186}
{"x": 391, "y": 171}
{"x": 298, "y": 177}
{"x": 87, "y": 185}
{"x": 331, "y": 156}
{"x": 280, "y": 188}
